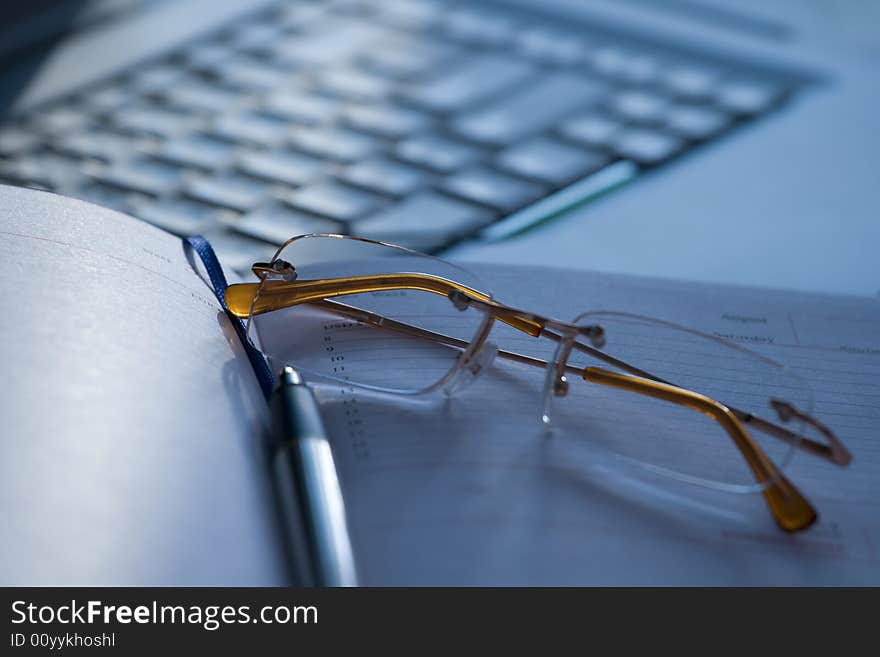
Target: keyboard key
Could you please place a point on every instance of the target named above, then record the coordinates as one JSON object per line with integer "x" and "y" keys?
{"x": 201, "y": 98}
{"x": 180, "y": 216}
{"x": 385, "y": 120}
{"x": 277, "y": 223}
{"x": 625, "y": 65}
{"x": 249, "y": 75}
{"x": 552, "y": 47}
{"x": 144, "y": 175}
{"x": 14, "y": 141}
{"x": 256, "y": 38}
{"x": 479, "y": 28}
{"x": 425, "y": 221}
{"x": 408, "y": 14}
{"x": 151, "y": 120}
{"x": 155, "y": 78}
{"x": 496, "y": 190}
{"x": 283, "y": 167}
{"x": 696, "y": 121}
{"x": 609, "y": 60}
{"x": 302, "y": 107}
{"x": 45, "y": 170}
{"x": 295, "y": 17}
{"x": 334, "y": 143}
{"x": 200, "y": 151}
{"x": 436, "y": 153}
{"x": 480, "y": 77}
{"x": 108, "y": 99}
{"x": 748, "y": 98}
{"x": 334, "y": 200}
{"x": 99, "y": 144}
{"x": 107, "y": 196}
{"x": 208, "y": 56}
{"x": 12, "y": 173}
{"x": 691, "y": 82}
{"x": 640, "y": 68}
{"x": 227, "y": 191}
{"x": 550, "y": 161}
{"x": 646, "y": 146}
{"x": 237, "y": 251}
{"x": 385, "y": 176}
{"x": 62, "y": 120}
{"x": 333, "y": 42}
{"x": 353, "y": 84}
{"x": 640, "y": 106}
{"x": 251, "y": 127}
{"x": 592, "y": 129}
{"x": 535, "y": 108}
{"x": 406, "y": 57}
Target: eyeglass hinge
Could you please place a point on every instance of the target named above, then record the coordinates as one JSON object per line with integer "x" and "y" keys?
{"x": 459, "y": 299}
{"x": 595, "y": 333}
{"x": 277, "y": 270}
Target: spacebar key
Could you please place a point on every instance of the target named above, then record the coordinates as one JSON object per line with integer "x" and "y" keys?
{"x": 535, "y": 108}
{"x": 479, "y": 79}
{"x": 425, "y": 221}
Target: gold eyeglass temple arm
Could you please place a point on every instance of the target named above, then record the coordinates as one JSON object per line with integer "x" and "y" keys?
{"x": 282, "y": 294}
{"x": 789, "y": 507}
{"x": 276, "y": 295}
{"x": 835, "y": 451}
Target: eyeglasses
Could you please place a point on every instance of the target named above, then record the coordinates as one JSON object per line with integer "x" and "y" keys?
{"x": 672, "y": 400}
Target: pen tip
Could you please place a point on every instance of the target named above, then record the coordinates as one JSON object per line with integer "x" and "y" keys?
{"x": 290, "y": 376}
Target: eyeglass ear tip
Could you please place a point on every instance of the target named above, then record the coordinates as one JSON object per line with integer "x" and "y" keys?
{"x": 783, "y": 409}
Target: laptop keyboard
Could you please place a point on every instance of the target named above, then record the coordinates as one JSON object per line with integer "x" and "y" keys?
{"x": 412, "y": 122}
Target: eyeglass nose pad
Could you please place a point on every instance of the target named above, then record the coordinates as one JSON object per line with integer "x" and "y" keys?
{"x": 470, "y": 371}
{"x": 555, "y": 383}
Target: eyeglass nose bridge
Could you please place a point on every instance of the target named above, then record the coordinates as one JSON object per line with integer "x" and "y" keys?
{"x": 472, "y": 367}
{"x": 277, "y": 270}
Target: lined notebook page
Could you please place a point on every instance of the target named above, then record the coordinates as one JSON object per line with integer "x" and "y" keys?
{"x": 131, "y": 421}
{"x": 470, "y": 490}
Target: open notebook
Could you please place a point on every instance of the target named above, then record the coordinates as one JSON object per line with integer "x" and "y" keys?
{"x": 134, "y": 428}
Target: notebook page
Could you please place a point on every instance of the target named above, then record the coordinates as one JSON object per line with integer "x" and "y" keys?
{"x": 470, "y": 490}
{"x": 131, "y": 419}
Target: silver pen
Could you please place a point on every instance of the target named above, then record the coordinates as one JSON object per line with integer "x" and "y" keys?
{"x": 304, "y": 469}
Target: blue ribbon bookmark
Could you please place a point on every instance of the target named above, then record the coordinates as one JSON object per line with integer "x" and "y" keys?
{"x": 218, "y": 280}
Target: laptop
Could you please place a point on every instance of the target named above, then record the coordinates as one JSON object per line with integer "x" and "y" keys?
{"x": 689, "y": 139}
